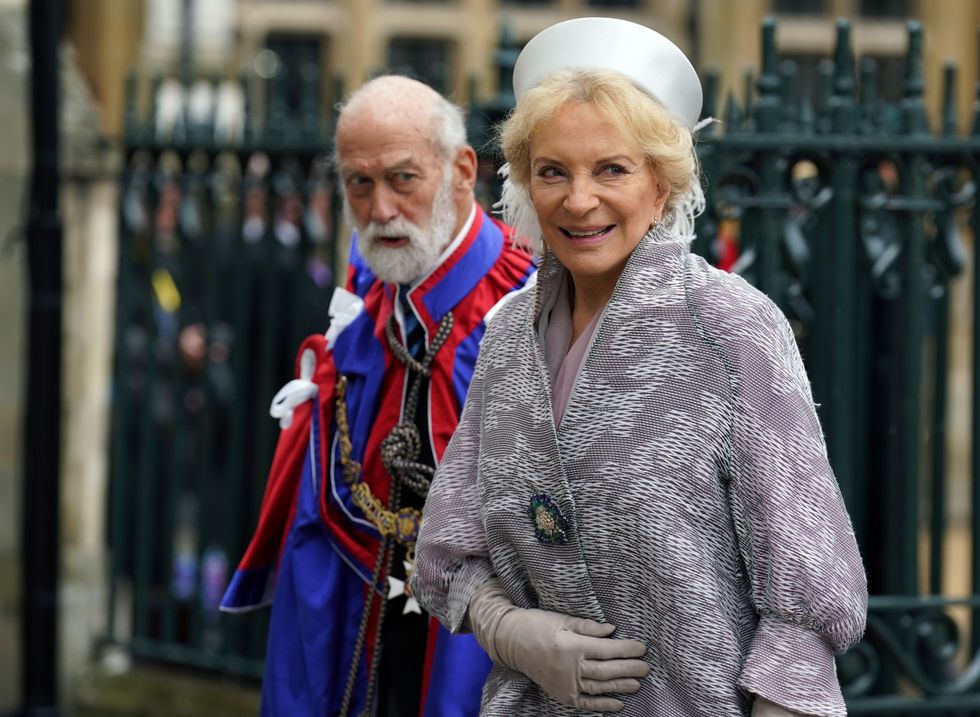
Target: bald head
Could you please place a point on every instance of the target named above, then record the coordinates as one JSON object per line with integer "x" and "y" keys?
{"x": 408, "y": 104}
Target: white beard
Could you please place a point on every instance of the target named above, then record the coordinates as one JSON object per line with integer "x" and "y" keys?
{"x": 405, "y": 264}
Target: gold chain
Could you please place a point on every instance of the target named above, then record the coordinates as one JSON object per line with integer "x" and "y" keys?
{"x": 403, "y": 524}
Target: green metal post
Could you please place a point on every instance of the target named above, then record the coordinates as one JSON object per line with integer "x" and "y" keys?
{"x": 121, "y": 455}
{"x": 941, "y": 306}
{"x": 902, "y": 534}
{"x": 869, "y": 95}
{"x": 41, "y": 485}
{"x": 145, "y": 488}
{"x": 975, "y": 405}
{"x": 908, "y": 328}
{"x": 765, "y": 112}
{"x": 826, "y": 70}
{"x": 843, "y": 248}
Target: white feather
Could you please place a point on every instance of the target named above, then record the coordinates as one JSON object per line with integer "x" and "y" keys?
{"x": 516, "y": 209}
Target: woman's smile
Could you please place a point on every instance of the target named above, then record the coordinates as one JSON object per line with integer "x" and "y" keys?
{"x": 588, "y": 236}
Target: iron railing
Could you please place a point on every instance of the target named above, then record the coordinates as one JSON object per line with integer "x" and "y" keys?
{"x": 844, "y": 208}
{"x": 853, "y": 217}
{"x": 227, "y": 260}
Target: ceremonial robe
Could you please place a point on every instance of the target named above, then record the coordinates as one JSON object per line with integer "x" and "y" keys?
{"x": 314, "y": 551}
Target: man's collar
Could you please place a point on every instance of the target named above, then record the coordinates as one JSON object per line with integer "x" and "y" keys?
{"x": 463, "y": 265}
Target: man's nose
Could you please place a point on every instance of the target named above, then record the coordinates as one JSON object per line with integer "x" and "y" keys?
{"x": 581, "y": 197}
{"x": 384, "y": 205}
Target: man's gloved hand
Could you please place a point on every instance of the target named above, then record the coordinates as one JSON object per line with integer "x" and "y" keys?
{"x": 574, "y": 660}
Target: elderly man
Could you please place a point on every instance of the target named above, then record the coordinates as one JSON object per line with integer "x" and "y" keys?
{"x": 336, "y": 537}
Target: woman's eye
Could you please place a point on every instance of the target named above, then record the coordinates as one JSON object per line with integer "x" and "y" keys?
{"x": 613, "y": 170}
{"x": 549, "y": 172}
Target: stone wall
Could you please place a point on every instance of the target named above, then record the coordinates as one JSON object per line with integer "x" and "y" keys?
{"x": 14, "y": 141}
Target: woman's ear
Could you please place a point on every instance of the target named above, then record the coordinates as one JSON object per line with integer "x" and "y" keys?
{"x": 663, "y": 195}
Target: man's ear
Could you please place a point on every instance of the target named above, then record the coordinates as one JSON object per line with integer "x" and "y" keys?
{"x": 465, "y": 165}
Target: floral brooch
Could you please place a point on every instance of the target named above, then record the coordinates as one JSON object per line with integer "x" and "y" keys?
{"x": 550, "y": 526}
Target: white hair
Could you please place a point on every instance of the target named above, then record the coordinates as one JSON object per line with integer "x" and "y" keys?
{"x": 449, "y": 123}
{"x": 448, "y": 119}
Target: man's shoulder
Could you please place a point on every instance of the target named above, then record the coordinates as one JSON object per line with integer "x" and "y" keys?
{"x": 513, "y": 268}
{"x": 510, "y": 271}
{"x": 510, "y": 255}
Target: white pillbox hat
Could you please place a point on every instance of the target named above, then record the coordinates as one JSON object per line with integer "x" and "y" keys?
{"x": 654, "y": 63}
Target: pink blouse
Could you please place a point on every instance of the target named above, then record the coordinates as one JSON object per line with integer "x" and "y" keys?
{"x": 564, "y": 361}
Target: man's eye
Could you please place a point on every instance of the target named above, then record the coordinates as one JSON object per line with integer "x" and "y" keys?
{"x": 403, "y": 177}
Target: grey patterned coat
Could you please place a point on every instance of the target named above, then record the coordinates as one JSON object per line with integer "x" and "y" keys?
{"x": 701, "y": 514}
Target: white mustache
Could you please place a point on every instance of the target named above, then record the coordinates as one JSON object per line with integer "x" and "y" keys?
{"x": 397, "y": 227}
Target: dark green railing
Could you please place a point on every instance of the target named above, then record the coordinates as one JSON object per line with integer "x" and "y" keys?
{"x": 227, "y": 260}
{"x": 851, "y": 214}
{"x": 845, "y": 208}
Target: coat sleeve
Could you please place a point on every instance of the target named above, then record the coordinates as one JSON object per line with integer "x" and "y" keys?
{"x": 451, "y": 554}
{"x": 806, "y": 576}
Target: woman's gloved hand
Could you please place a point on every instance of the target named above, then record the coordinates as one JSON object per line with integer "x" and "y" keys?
{"x": 572, "y": 659}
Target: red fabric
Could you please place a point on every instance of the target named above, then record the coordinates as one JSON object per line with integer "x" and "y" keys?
{"x": 430, "y": 651}
{"x": 279, "y": 500}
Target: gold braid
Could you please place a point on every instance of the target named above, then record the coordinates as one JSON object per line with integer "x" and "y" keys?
{"x": 402, "y": 524}
{"x": 399, "y": 452}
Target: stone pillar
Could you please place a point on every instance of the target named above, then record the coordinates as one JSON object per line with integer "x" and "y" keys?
{"x": 359, "y": 45}
{"x": 729, "y": 43}
{"x": 14, "y": 149}
{"x": 90, "y": 209}
{"x": 475, "y": 47}
{"x": 106, "y": 35}
{"x": 950, "y": 35}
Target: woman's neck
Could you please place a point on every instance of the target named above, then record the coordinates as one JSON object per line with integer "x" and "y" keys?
{"x": 586, "y": 299}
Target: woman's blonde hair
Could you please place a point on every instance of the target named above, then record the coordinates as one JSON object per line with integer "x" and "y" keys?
{"x": 668, "y": 146}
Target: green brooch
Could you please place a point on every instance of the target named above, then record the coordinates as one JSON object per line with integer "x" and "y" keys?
{"x": 550, "y": 526}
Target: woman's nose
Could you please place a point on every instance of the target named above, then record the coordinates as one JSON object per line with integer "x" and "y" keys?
{"x": 581, "y": 197}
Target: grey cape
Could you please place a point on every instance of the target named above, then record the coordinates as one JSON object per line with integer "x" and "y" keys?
{"x": 686, "y": 497}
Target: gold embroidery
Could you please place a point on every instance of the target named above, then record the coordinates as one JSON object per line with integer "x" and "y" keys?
{"x": 402, "y": 524}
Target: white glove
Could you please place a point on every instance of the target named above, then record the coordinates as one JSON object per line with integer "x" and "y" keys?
{"x": 572, "y": 659}
{"x": 764, "y": 708}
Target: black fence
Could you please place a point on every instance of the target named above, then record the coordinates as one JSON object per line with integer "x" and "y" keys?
{"x": 848, "y": 210}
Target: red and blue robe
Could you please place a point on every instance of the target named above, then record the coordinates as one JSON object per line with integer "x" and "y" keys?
{"x": 313, "y": 552}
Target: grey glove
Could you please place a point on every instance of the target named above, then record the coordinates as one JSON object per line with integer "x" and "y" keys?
{"x": 572, "y": 659}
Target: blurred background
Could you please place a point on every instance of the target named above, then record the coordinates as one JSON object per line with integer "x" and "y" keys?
{"x": 170, "y": 231}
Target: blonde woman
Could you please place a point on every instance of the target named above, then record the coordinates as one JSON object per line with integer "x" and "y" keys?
{"x": 636, "y": 512}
